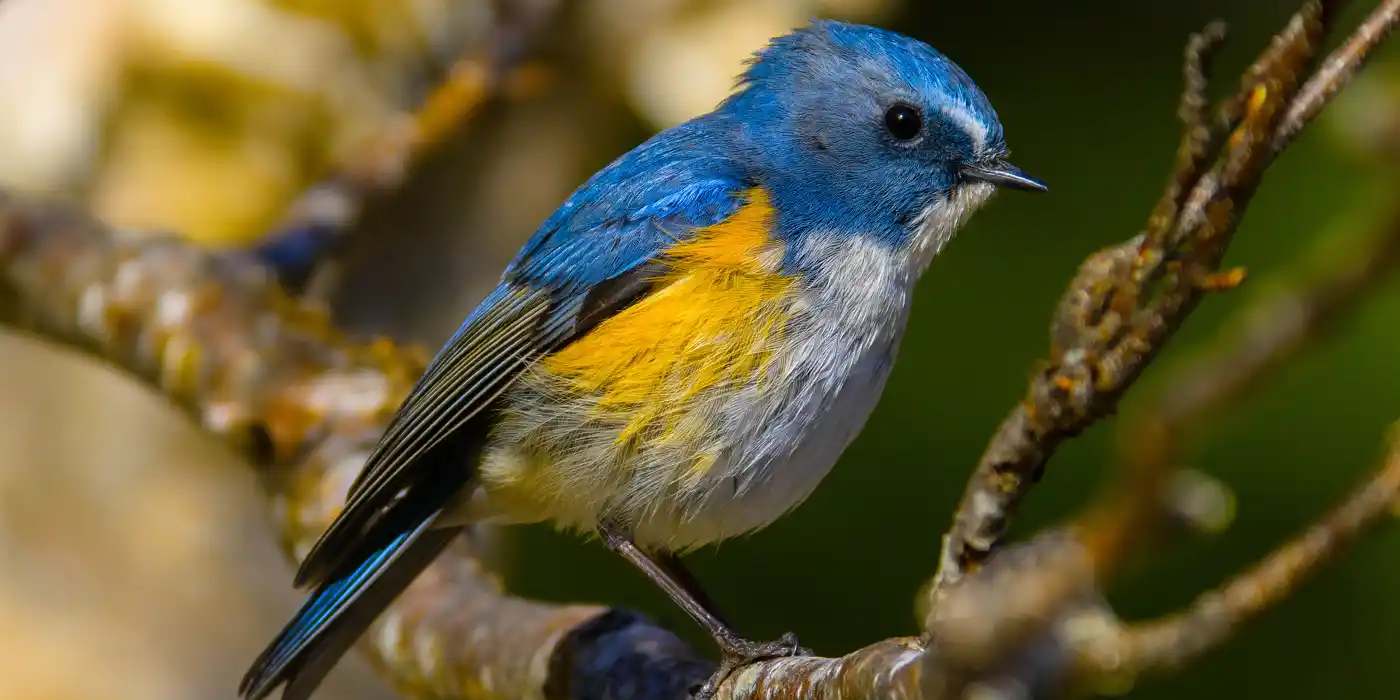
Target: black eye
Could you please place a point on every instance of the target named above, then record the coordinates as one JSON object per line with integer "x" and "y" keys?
{"x": 903, "y": 122}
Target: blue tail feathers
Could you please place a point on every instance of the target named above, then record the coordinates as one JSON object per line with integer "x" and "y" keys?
{"x": 339, "y": 612}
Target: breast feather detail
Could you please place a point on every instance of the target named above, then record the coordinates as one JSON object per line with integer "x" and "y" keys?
{"x": 712, "y": 324}
{"x": 646, "y": 389}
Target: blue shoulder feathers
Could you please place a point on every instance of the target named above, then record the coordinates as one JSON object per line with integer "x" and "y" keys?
{"x": 681, "y": 179}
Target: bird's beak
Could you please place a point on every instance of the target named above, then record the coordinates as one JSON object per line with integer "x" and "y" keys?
{"x": 1003, "y": 174}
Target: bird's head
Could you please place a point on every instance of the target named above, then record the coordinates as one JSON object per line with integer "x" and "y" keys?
{"x": 869, "y": 132}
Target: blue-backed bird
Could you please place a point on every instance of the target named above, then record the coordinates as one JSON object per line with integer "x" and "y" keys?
{"x": 682, "y": 350}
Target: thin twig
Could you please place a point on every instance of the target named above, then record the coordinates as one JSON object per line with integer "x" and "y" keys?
{"x": 316, "y": 224}
{"x": 1127, "y": 301}
{"x": 1153, "y": 442}
{"x": 1273, "y": 331}
{"x": 1169, "y": 643}
{"x": 1269, "y": 334}
{"x": 1337, "y": 70}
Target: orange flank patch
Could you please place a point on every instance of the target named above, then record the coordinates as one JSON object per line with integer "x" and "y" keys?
{"x": 710, "y": 326}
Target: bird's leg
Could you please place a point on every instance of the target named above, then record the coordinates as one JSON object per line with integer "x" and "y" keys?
{"x": 735, "y": 650}
{"x": 676, "y": 569}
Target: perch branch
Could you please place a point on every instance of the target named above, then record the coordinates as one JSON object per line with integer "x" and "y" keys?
{"x": 273, "y": 378}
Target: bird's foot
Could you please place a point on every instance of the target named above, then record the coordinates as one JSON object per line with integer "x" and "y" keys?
{"x": 737, "y": 652}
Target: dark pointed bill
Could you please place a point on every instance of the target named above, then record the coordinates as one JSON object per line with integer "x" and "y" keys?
{"x": 1003, "y": 174}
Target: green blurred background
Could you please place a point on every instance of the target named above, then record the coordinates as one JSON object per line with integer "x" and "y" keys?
{"x": 206, "y": 138}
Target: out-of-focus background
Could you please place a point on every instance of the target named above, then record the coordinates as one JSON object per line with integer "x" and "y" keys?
{"x": 134, "y": 560}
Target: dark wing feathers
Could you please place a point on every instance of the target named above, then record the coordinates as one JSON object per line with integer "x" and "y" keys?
{"x": 465, "y": 377}
{"x": 470, "y": 372}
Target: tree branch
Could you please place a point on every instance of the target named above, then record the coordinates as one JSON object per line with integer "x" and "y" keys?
{"x": 271, "y": 376}
{"x": 305, "y": 404}
{"x": 1169, "y": 643}
{"x": 1127, "y": 301}
{"x": 1264, "y": 337}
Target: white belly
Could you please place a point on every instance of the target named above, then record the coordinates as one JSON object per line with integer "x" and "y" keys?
{"x": 784, "y": 445}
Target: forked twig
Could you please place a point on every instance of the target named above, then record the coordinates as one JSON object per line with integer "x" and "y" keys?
{"x": 1127, "y": 301}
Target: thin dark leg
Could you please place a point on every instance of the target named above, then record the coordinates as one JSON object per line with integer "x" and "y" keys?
{"x": 735, "y": 650}
{"x": 673, "y": 565}
{"x": 678, "y": 592}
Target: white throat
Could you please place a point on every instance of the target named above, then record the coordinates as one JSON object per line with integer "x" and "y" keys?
{"x": 942, "y": 219}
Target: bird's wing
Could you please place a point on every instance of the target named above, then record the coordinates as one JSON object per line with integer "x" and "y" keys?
{"x": 592, "y": 258}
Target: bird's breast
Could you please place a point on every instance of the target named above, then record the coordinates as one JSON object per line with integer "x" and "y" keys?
{"x": 713, "y": 405}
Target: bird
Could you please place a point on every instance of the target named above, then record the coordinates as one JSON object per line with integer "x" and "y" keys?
{"x": 682, "y": 350}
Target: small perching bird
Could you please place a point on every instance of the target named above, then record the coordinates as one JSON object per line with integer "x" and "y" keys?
{"x": 682, "y": 351}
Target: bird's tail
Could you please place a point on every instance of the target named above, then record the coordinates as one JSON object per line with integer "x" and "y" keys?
{"x": 342, "y": 608}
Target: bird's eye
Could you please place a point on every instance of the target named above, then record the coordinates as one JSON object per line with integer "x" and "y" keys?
{"x": 903, "y": 122}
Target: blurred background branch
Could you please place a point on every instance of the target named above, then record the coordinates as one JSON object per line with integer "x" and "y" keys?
{"x": 317, "y": 222}
{"x": 338, "y": 167}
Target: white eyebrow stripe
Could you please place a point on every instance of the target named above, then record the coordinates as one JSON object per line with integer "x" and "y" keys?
{"x": 975, "y": 129}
